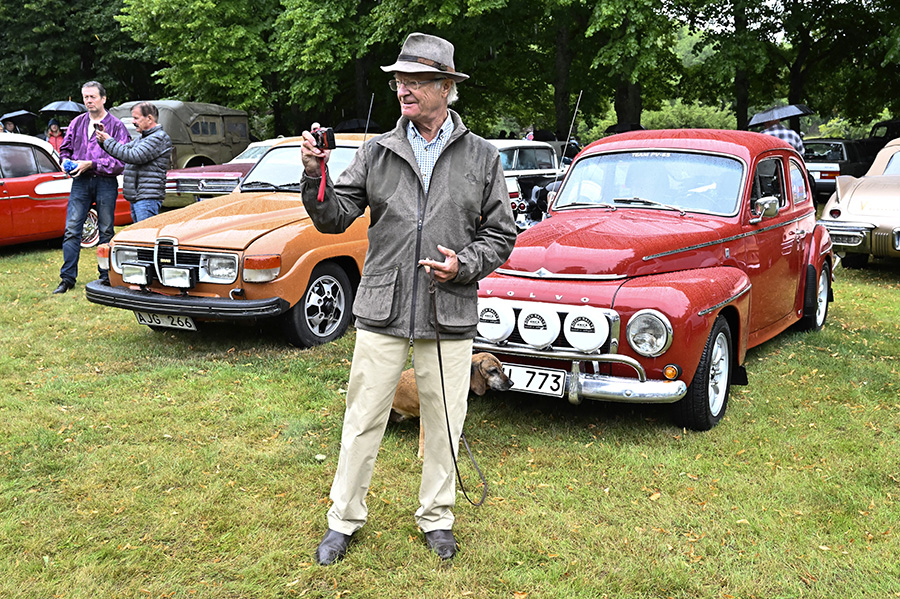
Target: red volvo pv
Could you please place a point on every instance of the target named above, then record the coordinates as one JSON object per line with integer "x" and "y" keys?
{"x": 662, "y": 259}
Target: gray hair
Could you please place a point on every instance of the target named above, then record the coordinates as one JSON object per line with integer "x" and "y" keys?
{"x": 148, "y": 109}
{"x": 101, "y": 91}
{"x": 453, "y": 96}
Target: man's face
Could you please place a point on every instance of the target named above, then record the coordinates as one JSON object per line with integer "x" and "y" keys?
{"x": 141, "y": 122}
{"x": 92, "y": 99}
{"x": 10, "y": 126}
{"x": 425, "y": 104}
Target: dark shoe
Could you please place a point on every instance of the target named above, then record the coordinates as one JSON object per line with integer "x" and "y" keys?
{"x": 63, "y": 287}
{"x": 332, "y": 548}
{"x": 104, "y": 281}
{"x": 442, "y": 543}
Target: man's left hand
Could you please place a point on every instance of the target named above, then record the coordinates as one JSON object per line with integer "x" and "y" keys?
{"x": 443, "y": 271}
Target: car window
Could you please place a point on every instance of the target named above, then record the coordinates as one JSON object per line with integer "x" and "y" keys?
{"x": 508, "y": 159}
{"x": 251, "y": 153}
{"x": 893, "y": 165}
{"x": 690, "y": 181}
{"x": 769, "y": 181}
{"x": 16, "y": 161}
{"x": 45, "y": 164}
{"x": 817, "y": 150}
{"x": 535, "y": 158}
{"x": 799, "y": 184}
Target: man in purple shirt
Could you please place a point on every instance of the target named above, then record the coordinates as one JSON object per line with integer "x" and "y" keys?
{"x": 93, "y": 179}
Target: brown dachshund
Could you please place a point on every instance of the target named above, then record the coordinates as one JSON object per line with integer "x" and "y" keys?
{"x": 487, "y": 373}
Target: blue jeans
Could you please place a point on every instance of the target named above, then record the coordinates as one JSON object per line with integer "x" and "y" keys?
{"x": 87, "y": 190}
{"x": 144, "y": 209}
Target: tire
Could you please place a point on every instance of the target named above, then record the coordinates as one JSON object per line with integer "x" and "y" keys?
{"x": 815, "y": 315}
{"x": 324, "y": 311}
{"x": 707, "y": 396}
{"x": 855, "y": 260}
{"x": 90, "y": 235}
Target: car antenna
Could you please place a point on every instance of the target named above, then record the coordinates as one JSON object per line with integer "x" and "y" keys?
{"x": 368, "y": 118}
{"x": 569, "y": 136}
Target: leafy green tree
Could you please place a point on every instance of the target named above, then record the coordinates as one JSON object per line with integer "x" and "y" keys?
{"x": 51, "y": 47}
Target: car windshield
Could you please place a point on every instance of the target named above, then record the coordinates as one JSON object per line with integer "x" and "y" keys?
{"x": 282, "y": 167}
{"x": 251, "y": 154}
{"x": 893, "y": 166}
{"x": 686, "y": 181}
{"x": 818, "y": 150}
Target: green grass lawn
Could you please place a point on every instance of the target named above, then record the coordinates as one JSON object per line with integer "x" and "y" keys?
{"x": 142, "y": 464}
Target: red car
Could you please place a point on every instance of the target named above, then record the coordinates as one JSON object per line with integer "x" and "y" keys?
{"x": 34, "y": 193}
{"x": 665, "y": 256}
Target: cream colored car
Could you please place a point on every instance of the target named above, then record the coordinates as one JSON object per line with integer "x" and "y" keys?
{"x": 863, "y": 214}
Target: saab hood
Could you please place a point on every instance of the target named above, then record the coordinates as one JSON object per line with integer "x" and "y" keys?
{"x": 229, "y": 222}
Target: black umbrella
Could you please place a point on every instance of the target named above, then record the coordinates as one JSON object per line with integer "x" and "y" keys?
{"x": 20, "y": 117}
{"x": 67, "y": 106}
{"x": 778, "y": 113}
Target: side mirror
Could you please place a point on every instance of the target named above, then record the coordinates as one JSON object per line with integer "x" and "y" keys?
{"x": 765, "y": 207}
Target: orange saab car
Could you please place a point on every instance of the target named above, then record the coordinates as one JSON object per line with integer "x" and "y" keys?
{"x": 249, "y": 255}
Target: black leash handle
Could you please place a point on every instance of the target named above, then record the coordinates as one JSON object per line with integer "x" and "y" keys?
{"x": 432, "y": 289}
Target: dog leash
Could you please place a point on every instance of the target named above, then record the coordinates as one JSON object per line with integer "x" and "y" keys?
{"x": 432, "y": 290}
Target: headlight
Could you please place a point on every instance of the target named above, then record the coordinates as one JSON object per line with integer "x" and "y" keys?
{"x": 649, "y": 333}
{"x": 218, "y": 268}
{"x": 123, "y": 255}
{"x": 496, "y": 319}
{"x": 539, "y": 326}
{"x": 586, "y": 328}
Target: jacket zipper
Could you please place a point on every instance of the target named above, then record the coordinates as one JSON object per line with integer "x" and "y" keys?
{"x": 420, "y": 217}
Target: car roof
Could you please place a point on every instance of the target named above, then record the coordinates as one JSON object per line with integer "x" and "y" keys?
{"x": 743, "y": 144}
{"x": 502, "y": 144}
{"x": 19, "y": 138}
{"x": 883, "y": 157}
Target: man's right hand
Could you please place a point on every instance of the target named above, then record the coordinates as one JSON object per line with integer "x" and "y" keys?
{"x": 83, "y": 166}
{"x": 311, "y": 155}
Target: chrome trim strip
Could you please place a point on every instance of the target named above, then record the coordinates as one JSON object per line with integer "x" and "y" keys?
{"x": 727, "y": 301}
{"x": 725, "y": 240}
{"x": 547, "y": 275}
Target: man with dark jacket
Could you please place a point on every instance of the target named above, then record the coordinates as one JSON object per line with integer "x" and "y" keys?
{"x": 433, "y": 189}
{"x": 147, "y": 159}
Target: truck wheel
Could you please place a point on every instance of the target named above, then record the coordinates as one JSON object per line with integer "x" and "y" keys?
{"x": 324, "y": 311}
{"x": 707, "y": 396}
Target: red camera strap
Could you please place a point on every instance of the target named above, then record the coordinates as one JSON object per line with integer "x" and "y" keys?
{"x": 321, "y": 196}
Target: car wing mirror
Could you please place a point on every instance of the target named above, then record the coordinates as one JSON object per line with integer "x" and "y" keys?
{"x": 765, "y": 207}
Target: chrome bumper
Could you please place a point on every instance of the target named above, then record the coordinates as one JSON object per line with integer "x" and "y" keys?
{"x": 600, "y": 387}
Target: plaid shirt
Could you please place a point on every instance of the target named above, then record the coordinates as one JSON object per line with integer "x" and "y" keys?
{"x": 427, "y": 152}
{"x": 789, "y": 135}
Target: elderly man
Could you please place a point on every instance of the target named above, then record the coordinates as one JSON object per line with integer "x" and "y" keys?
{"x": 94, "y": 178}
{"x": 147, "y": 159}
{"x": 776, "y": 129}
{"x": 438, "y": 204}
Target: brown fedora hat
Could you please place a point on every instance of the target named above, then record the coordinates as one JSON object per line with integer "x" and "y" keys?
{"x": 422, "y": 53}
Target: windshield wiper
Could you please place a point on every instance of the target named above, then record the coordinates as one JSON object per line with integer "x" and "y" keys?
{"x": 248, "y": 185}
{"x": 646, "y": 202}
{"x": 591, "y": 204}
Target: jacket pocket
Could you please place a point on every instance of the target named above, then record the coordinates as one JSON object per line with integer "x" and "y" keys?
{"x": 457, "y": 308}
{"x": 376, "y": 298}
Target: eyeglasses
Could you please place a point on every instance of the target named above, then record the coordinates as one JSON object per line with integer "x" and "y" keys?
{"x": 412, "y": 86}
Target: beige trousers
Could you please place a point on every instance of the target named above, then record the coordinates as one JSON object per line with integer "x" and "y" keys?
{"x": 378, "y": 361}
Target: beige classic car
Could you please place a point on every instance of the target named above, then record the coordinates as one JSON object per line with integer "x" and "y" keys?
{"x": 863, "y": 214}
{"x": 250, "y": 255}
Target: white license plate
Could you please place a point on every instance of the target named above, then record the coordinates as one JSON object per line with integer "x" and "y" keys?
{"x": 185, "y": 323}
{"x": 531, "y": 379}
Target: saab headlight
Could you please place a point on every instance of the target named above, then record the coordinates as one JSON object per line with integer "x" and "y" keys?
{"x": 218, "y": 268}
{"x": 649, "y": 333}
{"x": 122, "y": 255}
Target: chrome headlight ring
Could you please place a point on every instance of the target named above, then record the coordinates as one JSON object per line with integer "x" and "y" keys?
{"x": 649, "y": 333}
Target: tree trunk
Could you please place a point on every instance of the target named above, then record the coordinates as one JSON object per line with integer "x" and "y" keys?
{"x": 563, "y": 63}
{"x": 628, "y": 103}
{"x": 741, "y": 79}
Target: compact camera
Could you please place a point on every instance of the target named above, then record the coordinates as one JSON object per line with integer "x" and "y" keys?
{"x": 98, "y": 126}
{"x": 324, "y": 137}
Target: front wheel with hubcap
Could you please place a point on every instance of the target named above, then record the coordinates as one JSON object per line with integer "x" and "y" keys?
{"x": 707, "y": 396}
{"x": 90, "y": 234}
{"x": 324, "y": 311}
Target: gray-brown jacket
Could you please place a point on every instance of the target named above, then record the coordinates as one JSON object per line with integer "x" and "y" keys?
{"x": 466, "y": 209}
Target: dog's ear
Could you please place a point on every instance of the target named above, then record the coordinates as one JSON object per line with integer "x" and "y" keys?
{"x": 477, "y": 385}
